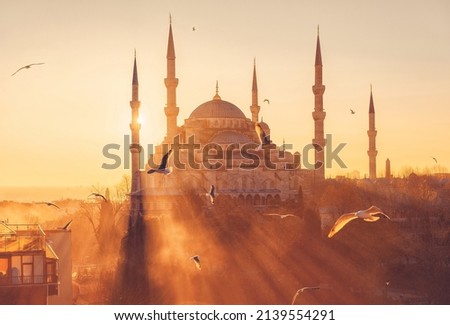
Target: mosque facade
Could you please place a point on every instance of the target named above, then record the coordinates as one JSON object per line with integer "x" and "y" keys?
{"x": 218, "y": 145}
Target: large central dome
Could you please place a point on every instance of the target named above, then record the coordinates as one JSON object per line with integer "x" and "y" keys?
{"x": 217, "y": 108}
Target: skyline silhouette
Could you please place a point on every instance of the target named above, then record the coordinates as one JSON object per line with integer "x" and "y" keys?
{"x": 399, "y": 48}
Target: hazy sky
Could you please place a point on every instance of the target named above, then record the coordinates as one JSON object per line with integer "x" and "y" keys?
{"x": 56, "y": 117}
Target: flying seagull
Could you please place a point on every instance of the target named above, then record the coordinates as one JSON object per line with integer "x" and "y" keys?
{"x": 66, "y": 226}
{"x": 263, "y": 137}
{"x": 352, "y": 111}
{"x": 193, "y": 28}
{"x": 282, "y": 216}
{"x": 212, "y": 193}
{"x": 196, "y": 260}
{"x": 163, "y": 169}
{"x": 26, "y": 67}
{"x": 49, "y": 204}
{"x": 99, "y": 195}
{"x": 301, "y": 290}
{"x": 267, "y": 101}
{"x": 372, "y": 214}
{"x": 434, "y": 159}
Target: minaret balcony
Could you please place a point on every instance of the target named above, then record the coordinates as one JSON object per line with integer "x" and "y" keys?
{"x": 318, "y": 89}
{"x": 171, "y": 111}
{"x": 135, "y": 147}
{"x": 171, "y": 82}
{"x": 318, "y": 115}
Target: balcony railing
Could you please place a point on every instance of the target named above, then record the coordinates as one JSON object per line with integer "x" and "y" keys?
{"x": 21, "y": 237}
{"x": 23, "y": 280}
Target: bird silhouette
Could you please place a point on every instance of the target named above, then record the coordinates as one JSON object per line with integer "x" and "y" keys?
{"x": 302, "y": 290}
{"x": 212, "y": 194}
{"x": 372, "y": 214}
{"x": 66, "y": 226}
{"x": 49, "y": 204}
{"x": 435, "y": 160}
{"x": 193, "y": 28}
{"x": 99, "y": 195}
{"x": 263, "y": 137}
{"x": 282, "y": 216}
{"x": 26, "y": 67}
{"x": 196, "y": 260}
{"x": 352, "y": 111}
{"x": 267, "y": 101}
{"x": 163, "y": 169}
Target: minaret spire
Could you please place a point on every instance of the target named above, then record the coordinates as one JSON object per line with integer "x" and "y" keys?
{"x": 318, "y": 52}
{"x": 372, "y": 133}
{"x": 255, "y": 108}
{"x": 135, "y": 83}
{"x": 318, "y": 115}
{"x": 371, "y": 107}
{"x": 171, "y": 110}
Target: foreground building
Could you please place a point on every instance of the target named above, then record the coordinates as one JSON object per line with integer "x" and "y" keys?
{"x": 35, "y": 266}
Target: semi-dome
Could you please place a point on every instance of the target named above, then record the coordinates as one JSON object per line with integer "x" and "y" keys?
{"x": 264, "y": 126}
{"x": 217, "y": 108}
{"x": 230, "y": 137}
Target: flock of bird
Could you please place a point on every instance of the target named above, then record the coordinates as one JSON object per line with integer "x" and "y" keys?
{"x": 67, "y": 225}
{"x": 371, "y": 214}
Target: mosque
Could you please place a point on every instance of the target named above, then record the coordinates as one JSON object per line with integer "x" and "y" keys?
{"x": 217, "y": 145}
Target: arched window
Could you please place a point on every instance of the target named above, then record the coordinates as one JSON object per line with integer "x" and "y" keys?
{"x": 277, "y": 200}
{"x": 263, "y": 200}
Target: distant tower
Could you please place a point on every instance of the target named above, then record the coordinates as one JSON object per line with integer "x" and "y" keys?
{"x": 319, "y": 115}
{"x": 372, "y": 133}
{"x": 171, "y": 110}
{"x": 255, "y": 108}
{"x": 388, "y": 168}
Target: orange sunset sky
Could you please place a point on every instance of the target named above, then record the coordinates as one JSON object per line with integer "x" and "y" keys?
{"x": 56, "y": 117}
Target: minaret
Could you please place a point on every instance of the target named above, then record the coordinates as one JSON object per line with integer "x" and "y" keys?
{"x": 135, "y": 126}
{"x": 135, "y": 149}
{"x": 318, "y": 115}
{"x": 255, "y": 107}
{"x": 388, "y": 168}
{"x": 171, "y": 83}
{"x": 372, "y": 133}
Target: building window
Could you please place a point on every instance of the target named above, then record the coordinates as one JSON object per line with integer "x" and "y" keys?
{"x": 16, "y": 269}
{"x": 4, "y": 271}
{"x": 22, "y": 269}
